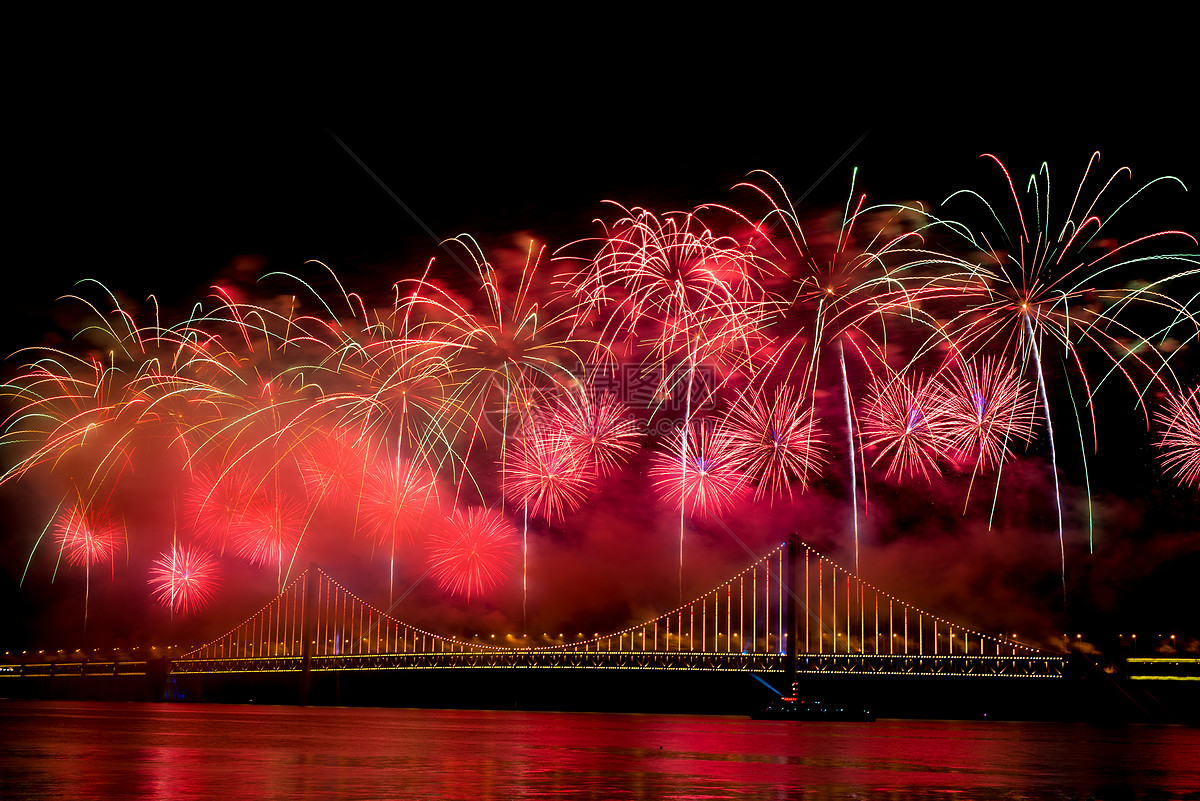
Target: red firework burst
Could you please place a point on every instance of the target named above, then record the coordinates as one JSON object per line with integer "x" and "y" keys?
{"x": 184, "y": 580}
{"x": 986, "y": 408}
{"x": 88, "y": 536}
{"x": 216, "y": 503}
{"x": 704, "y": 479}
{"x": 1180, "y": 442}
{"x": 599, "y": 425}
{"x": 697, "y": 294}
{"x": 777, "y": 442}
{"x": 333, "y": 467}
{"x": 269, "y": 532}
{"x": 547, "y": 471}
{"x": 396, "y": 497}
{"x": 904, "y": 421}
{"x": 473, "y": 551}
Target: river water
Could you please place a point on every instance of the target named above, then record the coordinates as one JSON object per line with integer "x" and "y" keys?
{"x": 86, "y": 750}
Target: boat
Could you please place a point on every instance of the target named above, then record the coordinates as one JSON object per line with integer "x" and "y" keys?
{"x": 793, "y": 707}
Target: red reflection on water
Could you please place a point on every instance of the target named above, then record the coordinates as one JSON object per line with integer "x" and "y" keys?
{"x": 81, "y": 750}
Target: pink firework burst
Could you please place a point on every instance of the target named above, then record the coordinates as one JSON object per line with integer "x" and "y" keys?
{"x": 184, "y": 580}
{"x": 1180, "y": 442}
{"x": 216, "y": 503}
{"x": 88, "y": 536}
{"x": 986, "y": 408}
{"x": 547, "y": 471}
{"x": 396, "y": 498}
{"x": 473, "y": 552}
{"x": 270, "y": 530}
{"x": 333, "y": 467}
{"x": 598, "y": 424}
{"x": 904, "y": 422}
{"x": 700, "y": 476}
{"x": 777, "y": 441}
{"x": 696, "y": 294}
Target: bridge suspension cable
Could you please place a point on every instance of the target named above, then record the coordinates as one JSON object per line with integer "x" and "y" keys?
{"x": 831, "y": 610}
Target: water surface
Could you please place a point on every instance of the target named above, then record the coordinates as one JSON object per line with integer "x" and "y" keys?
{"x": 81, "y": 750}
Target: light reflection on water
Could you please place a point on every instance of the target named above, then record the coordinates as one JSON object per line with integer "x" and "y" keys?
{"x": 78, "y": 750}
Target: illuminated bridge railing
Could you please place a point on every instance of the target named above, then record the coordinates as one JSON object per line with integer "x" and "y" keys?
{"x": 842, "y": 614}
{"x": 840, "y": 624}
{"x": 745, "y": 616}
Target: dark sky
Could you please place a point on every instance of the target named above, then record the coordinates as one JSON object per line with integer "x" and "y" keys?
{"x": 158, "y": 197}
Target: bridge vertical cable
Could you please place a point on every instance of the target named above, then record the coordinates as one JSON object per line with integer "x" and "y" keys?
{"x": 315, "y": 622}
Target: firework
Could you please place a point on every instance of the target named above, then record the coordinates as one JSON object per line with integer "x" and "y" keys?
{"x": 215, "y": 504}
{"x": 502, "y": 356}
{"x": 88, "y": 536}
{"x": 473, "y": 551}
{"x": 1042, "y": 288}
{"x": 706, "y": 481}
{"x": 322, "y": 408}
{"x": 670, "y": 281}
{"x": 986, "y": 409}
{"x": 333, "y": 467}
{"x": 547, "y": 471}
{"x": 184, "y": 580}
{"x": 848, "y": 281}
{"x": 270, "y": 530}
{"x": 1180, "y": 440}
{"x": 153, "y": 392}
{"x": 397, "y": 497}
{"x": 777, "y": 441}
{"x": 1042, "y": 285}
{"x": 599, "y": 425}
{"x": 902, "y": 420}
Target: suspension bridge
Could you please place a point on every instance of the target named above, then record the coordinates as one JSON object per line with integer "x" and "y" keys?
{"x": 791, "y": 613}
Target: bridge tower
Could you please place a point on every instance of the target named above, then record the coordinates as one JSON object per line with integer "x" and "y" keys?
{"x": 791, "y": 585}
{"x": 308, "y": 630}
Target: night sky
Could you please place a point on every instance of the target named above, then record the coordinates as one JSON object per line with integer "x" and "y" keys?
{"x": 164, "y": 199}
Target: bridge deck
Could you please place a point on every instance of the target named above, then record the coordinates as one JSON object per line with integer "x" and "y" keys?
{"x": 851, "y": 664}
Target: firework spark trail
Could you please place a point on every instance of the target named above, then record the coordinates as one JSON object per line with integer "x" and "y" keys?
{"x": 1179, "y": 443}
{"x": 778, "y": 441}
{"x": 904, "y": 421}
{"x": 699, "y": 298}
{"x": 712, "y": 482}
{"x": 850, "y": 448}
{"x": 1041, "y": 379}
{"x": 472, "y": 551}
{"x": 184, "y": 580}
{"x": 280, "y": 410}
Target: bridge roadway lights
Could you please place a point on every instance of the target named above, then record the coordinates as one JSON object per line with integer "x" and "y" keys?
{"x": 944, "y": 665}
{"x": 81, "y": 669}
{"x": 606, "y": 660}
{"x": 806, "y": 664}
